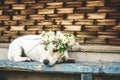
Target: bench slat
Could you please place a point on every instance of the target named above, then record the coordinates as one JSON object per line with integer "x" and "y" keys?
{"x": 81, "y": 67}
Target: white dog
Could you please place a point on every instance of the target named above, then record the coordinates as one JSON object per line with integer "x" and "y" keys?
{"x": 33, "y": 50}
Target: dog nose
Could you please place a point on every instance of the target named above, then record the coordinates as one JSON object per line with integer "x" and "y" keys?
{"x": 46, "y": 62}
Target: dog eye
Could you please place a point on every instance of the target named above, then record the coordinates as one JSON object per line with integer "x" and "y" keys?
{"x": 46, "y": 49}
{"x": 55, "y": 50}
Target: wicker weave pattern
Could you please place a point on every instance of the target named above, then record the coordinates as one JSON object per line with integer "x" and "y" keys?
{"x": 91, "y": 21}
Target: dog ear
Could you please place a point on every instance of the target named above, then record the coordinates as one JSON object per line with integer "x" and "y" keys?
{"x": 66, "y": 58}
{"x": 66, "y": 54}
{"x": 70, "y": 60}
{"x": 62, "y": 60}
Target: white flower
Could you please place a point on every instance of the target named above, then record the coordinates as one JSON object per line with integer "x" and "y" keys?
{"x": 50, "y": 36}
{"x": 59, "y": 35}
{"x": 71, "y": 40}
{"x": 64, "y": 40}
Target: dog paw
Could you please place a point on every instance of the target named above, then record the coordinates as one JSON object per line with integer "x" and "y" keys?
{"x": 22, "y": 59}
{"x": 27, "y": 59}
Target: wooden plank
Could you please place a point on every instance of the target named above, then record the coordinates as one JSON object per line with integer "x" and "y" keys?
{"x": 13, "y": 38}
{"x": 108, "y": 33}
{"x": 107, "y": 9}
{"x": 75, "y": 16}
{"x": 10, "y": 1}
{"x": 84, "y": 9}
{"x": 10, "y": 22}
{"x": 35, "y": 6}
{"x": 114, "y": 41}
{"x": 114, "y": 3}
{"x": 11, "y": 12}
{"x": 86, "y": 34}
{"x": 113, "y": 15}
{"x": 27, "y": 1}
{"x": 52, "y": 27}
{"x": 82, "y": 67}
{"x": 69, "y": 32}
{"x": 19, "y": 17}
{"x": 27, "y": 33}
{"x": 17, "y": 33}
{"x": 28, "y": 11}
{"x": 116, "y": 28}
{"x": 54, "y": 5}
{"x": 4, "y": 45}
{"x": 9, "y": 33}
{"x": 64, "y": 0}
{"x": 95, "y": 3}
{"x": 10, "y": 36}
{"x": 34, "y": 28}
{"x": 93, "y": 28}
{"x": 79, "y": 39}
{"x": 55, "y": 16}
{"x": 64, "y": 22}
{"x": 117, "y": 4}
{"x": 73, "y": 4}
{"x": 2, "y": 28}
{"x": 96, "y": 48}
{"x": 108, "y": 28}
{"x": 36, "y": 17}
{"x": 46, "y": 11}
{"x": 72, "y": 28}
{"x": 106, "y": 22}
{"x": 4, "y": 39}
{"x": 1, "y": 12}
{"x": 18, "y": 6}
{"x": 45, "y": 1}
{"x": 95, "y": 41}
{"x": 101, "y": 48}
{"x": 83, "y": 22}
{"x": 3, "y": 7}
{"x": 65, "y": 10}
{"x": 45, "y": 22}
{"x": 107, "y": 36}
{"x": 17, "y": 28}
{"x": 26, "y": 22}
{"x": 96, "y": 15}
{"x": 4, "y": 17}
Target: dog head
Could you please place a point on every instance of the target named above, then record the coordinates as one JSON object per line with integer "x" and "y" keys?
{"x": 56, "y": 43}
{"x": 54, "y": 56}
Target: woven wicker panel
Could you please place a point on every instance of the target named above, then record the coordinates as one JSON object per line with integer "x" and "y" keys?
{"x": 91, "y": 21}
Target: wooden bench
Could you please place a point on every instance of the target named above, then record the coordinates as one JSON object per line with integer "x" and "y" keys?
{"x": 86, "y": 68}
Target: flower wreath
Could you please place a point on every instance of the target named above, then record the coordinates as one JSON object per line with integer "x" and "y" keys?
{"x": 59, "y": 41}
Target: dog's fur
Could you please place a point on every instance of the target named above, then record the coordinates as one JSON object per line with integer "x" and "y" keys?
{"x": 33, "y": 50}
